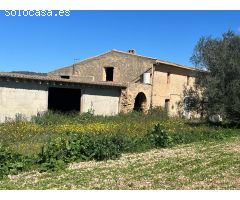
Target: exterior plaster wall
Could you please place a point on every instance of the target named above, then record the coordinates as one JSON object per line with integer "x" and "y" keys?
{"x": 27, "y": 99}
{"x": 172, "y": 89}
{"x": 24, "y": 99}
{"x": 100, "y": 101}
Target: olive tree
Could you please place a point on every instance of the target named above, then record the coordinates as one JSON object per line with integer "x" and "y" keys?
{"x": 219, "y": 58}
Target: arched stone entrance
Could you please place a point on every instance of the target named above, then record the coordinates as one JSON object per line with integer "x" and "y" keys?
{"x": 140, "y": 102}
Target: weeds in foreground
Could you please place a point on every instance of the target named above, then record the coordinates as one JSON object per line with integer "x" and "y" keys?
{"x": 54, "y": 140}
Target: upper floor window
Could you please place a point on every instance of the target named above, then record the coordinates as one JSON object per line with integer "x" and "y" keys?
{"x": 109, "y": 73}
{"x": 168, "y": 78}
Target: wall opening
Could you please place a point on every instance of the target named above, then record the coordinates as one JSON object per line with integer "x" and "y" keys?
{"x": 64, "y": 99}
{"x": 188, "y": 80}
{"x": 167, "y": 105}
{"x": 65, "y": 76}
{"x": 109, "y": 73}
{"x": 140, "y": 102}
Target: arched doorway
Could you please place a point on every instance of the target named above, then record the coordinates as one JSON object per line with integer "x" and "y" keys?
{"x": 140, "y": 102}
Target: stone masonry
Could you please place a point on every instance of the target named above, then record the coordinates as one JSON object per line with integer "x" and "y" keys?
{"x": 164, "y": 89}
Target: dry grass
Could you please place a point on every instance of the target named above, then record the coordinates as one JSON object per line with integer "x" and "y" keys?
{"x": 205, "y": 165}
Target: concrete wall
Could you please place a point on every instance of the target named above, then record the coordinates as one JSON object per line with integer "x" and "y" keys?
{"x": 172, "y": 90}
{"x": 102, "y": 101}
{"x": 29, "y": 98}
{"x": 22, "y": 98}
{"x": 127, "y": 67}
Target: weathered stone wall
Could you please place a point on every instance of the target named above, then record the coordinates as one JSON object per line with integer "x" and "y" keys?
{"x": 127, "y": 67}
{"x": 100, "y": 101}
{"x": 173, "y": 90}
{"x": 19, "y": 98}
{"x": 63, "y": 71}
{"x": 128, "y": 96}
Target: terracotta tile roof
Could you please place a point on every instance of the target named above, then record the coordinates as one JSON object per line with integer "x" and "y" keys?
{"x": 175, "y": 65}
{"x": 157, "y": 61}
{"x": 131, "y": 54}
{"x": 57, "y": 79}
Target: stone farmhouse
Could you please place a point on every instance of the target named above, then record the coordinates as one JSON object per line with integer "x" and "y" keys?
{"x": 106, "y": 84}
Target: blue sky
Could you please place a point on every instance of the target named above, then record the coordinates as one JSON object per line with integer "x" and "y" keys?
{"x": 43, "y": 44}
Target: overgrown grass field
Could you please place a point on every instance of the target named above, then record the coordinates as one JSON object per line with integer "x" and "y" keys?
{"x": 200, "y": 165}
{"x": 131, "y": 151}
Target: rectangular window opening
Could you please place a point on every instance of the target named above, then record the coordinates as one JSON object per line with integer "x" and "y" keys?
{"x": 167, "y": 105}
{"x": 65, "y": 77}
{"x": 109, "y": 73}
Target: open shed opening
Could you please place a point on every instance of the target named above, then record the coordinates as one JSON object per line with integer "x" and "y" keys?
{"x": 64, "y": 99}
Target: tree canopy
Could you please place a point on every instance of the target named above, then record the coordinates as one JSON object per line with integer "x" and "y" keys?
{"x": 220, "y": 84}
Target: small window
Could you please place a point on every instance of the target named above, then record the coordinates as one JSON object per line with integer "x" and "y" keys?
{"x": 65, "y": 77}
{"x": 188, "y": 79}
{"x": 167, "y": 105}
{"x": 109, "y": 73}
{"x": 168, "y": 78}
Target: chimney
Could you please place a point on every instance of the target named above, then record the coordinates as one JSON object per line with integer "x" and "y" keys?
{"x": 132, "y": 51}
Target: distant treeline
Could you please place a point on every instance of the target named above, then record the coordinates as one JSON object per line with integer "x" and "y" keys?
{"x": 29, "y": 73}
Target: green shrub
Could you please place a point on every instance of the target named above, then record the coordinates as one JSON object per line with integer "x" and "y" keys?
{"x": 12, "y": 163}
{"x": 76, "y": 147}
{"x": 160, "y": 137}
{"x": 107, "y": 147}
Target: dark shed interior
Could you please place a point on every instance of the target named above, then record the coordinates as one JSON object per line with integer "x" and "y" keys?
{"x": 64, "y": 99}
